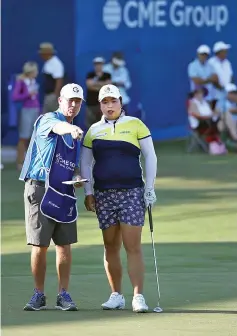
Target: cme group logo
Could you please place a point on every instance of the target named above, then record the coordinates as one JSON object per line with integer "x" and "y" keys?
{"x": 139, "y": 14}
{"x": 112, "y": 14}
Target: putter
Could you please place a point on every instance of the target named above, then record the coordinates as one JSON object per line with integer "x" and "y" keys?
{"x": 157, "y": 309}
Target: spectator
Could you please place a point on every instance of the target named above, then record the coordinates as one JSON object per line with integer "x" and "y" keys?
{"x": 222, "y": 69}
{"x": 199, "y": 111}
{"x": 200, "y": 72}
{"x": 120, "y": 76}
{"x": 53, "y": 71}
{"x": 94, "y": 81}
{"x": 230, "y": 115}
{"x": 26, "y": 91}
{"x": 205, "y": 121}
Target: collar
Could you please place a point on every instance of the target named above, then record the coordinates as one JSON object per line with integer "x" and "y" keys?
{"x": 60, "y": 115}
{"x": 219, "y": 60}
{"x": 104, "y": 120}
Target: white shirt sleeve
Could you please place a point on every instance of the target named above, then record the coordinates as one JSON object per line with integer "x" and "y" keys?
{"x": 86, "y": 165}
{"x": 192, "y": 70}
{"x": 148, "y": 151}
{"x": 54, "y": 67}
{"x": 230, "y": 69}
{"x": 58, "y": 70}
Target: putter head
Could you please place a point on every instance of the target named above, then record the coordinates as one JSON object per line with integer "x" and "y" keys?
{"x": 157, "y": 310}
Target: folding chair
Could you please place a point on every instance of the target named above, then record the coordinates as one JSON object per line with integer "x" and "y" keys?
{"x": 196, "y": 141}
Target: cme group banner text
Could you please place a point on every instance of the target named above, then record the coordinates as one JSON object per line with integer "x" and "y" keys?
{"x": 159, "y": 38}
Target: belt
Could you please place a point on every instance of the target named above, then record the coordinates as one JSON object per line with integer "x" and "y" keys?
{"x": 36, "y": 182}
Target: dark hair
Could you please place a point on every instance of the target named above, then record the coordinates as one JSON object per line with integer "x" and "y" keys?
{"x": 118, "y": 54}
{"x": 197, "y": 89}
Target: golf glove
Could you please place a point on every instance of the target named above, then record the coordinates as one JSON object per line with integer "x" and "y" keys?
{"x": 149, "y": 196}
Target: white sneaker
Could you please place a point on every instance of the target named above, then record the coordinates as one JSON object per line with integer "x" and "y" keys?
{"x": 116, "y": 301}
{"x": 139, "y": 304}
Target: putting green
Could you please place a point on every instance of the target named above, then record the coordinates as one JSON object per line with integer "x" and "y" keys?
{"x": 195, "y": 233}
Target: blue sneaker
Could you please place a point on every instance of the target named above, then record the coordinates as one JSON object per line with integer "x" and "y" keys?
{"x": 37, "y": 302}
{"x": 64, "y": 302}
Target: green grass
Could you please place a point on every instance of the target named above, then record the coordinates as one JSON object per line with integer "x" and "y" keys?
{"x": 196, "y": 240}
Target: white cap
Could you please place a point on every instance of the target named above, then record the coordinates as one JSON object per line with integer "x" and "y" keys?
{"x": 203, "y": 49}
{"x": 72, "y": 91}
{"x": 98, "y": 60}
{"x": 231, "y": 87}
{"x": 109, "y": 90}
{"x": 218, "y": 46}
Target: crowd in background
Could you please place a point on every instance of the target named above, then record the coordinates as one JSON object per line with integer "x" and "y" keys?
{"x": 26, "y": 90}
{"x": 212, "y": 101}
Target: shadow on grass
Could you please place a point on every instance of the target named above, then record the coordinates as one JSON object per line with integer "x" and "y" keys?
{"x": 200, "y": 311}
{"x": 194, "y": 278}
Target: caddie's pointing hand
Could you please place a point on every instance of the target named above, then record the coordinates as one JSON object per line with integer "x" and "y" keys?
{"x": 76, "y": 132}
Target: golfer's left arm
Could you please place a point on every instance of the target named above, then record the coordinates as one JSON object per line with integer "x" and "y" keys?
{"x": 86, "y": 164}
{"x": 77, "y": 170}
{"x": 148, "y": 151}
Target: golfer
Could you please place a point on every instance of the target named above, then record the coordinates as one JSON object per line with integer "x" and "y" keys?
{"x": 119, "y": 197}
{"x": 50, "y": 205}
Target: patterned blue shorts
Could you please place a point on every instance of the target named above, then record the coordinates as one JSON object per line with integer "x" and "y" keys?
{"x": 123, "y": 205}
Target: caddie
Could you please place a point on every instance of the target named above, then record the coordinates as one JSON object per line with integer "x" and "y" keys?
{"x": 50, "y": 205}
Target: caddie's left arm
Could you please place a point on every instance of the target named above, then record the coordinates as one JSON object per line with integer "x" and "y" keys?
{"x": 148, "y": 151}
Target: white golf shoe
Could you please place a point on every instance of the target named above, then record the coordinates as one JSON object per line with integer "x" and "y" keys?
{"x": 116, "y": 301}
{"x": 139, "y": 304}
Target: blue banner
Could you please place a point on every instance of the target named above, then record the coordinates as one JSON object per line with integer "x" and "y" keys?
{"x": 158, "y": 38}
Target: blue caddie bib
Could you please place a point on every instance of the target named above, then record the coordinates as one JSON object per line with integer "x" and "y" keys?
{"x": 59, "y": 201}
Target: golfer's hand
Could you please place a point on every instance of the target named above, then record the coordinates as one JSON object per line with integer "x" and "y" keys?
{"x": 77, "y": 178}
{"x": 76, "y": 132}
{"x": 149, "y": 196}
{"x": 90, "y": 203}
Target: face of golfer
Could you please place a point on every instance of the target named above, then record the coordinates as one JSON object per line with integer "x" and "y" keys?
{"x": 111, "y": 108}
{"x": 70, "y": 107}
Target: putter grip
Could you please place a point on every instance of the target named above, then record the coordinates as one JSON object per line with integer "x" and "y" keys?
{"x": 150, "y": 218}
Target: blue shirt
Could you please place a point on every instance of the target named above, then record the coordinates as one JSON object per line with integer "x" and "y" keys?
{"x": 46, "y": 140}
{"x": 203, "y": 71}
